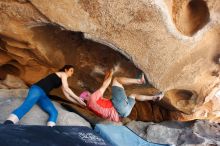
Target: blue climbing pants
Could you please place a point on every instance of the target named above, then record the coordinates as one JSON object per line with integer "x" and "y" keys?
{"x": 37, "y": 95}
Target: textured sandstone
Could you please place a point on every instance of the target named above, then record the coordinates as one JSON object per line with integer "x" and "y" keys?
{"x": 13, "y": 82}
{"x": 176, "y": 43}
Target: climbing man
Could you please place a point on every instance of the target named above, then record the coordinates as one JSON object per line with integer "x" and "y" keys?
{"x": 120, "y": 105}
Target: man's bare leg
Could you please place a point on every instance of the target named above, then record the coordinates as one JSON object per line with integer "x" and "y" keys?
{"x": 146, "y": 97}
{"x": 120, "y": 81}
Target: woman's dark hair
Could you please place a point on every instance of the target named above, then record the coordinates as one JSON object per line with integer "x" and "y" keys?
{"x": 66, "y": 67}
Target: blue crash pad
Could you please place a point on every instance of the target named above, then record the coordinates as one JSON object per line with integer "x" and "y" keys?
{"x": 25, "y": 135}
{"x": 121, "y": 136}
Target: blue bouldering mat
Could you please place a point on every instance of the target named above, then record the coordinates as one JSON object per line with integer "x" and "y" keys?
{"x": 121, "y": 136}
{"x": 27, "y": 135}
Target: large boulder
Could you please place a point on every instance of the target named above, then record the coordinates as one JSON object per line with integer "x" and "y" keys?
{"x": 198, "y": 133}
{"x": 9, "y": 93}
{"x": 36, "y": 116}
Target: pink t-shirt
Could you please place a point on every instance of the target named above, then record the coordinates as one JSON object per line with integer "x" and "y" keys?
{"x": 102, "y": 107}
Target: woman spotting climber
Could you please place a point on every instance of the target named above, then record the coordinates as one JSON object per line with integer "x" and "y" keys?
{"x": 38, "y": 93}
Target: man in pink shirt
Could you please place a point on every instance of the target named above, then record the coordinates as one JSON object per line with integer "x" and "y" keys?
{"x": 120, "y": 105}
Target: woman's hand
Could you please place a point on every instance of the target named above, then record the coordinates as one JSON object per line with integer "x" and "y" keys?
{"x": 82, "y": 103}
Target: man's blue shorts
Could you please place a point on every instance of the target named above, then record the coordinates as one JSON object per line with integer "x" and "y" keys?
{"x": 121, "y": 102}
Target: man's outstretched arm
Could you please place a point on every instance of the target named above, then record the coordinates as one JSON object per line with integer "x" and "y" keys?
{"x": 106, "y": 82}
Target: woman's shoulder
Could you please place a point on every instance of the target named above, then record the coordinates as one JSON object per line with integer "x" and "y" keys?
{"x": 60, "y": 74}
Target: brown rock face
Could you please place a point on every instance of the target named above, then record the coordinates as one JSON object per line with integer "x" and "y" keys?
{"x": 13, "y": 82}
{"x": 175, "y": 43}
{"x": 190, "y": 15}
